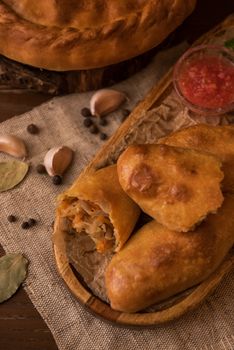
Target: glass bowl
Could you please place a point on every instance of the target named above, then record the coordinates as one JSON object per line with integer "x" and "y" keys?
{"x": 204, "y": 79}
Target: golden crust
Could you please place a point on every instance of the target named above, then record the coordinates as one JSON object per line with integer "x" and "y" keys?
{"x": 70, "y": 35}
{"x": 176, "y": 186}
{"x": 103, "y": 188}
{"x": 157, "y": 263}
{"x": 217, "y": 140}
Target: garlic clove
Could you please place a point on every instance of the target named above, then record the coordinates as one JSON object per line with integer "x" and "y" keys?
{"x": 57, "y": 160}
{"x": 106, "y": 101}
{"x": 13, "y": 145}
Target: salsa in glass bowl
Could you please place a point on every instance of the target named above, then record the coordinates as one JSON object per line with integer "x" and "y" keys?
{"x": 204, "y": 79}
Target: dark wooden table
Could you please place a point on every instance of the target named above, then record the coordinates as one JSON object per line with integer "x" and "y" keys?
{"x": 21, "y": 326}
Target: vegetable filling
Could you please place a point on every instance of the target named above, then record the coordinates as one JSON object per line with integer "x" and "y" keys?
{"x": 88, "y": 217}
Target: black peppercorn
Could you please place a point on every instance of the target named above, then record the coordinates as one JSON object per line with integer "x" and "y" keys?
{"x": 87, "y": 122}
{"x": 25, "y": 225}
{"x": 103, "y": 136}
{"x": 85, "y": 112}
{"x": 57, "y": 179}
{"x": 94, "y": 129}
{"x": 125, "y": 114}
{"x": 40, "y": 168}
{"x": 103, "y": 122}
{"x": 32, "y": 129}
{"x": 11, "y": 218}
{"x": 32, "y": 222}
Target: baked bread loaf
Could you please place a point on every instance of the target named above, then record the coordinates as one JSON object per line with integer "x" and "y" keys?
{"x": 176, "y": 186}
{"x": 157, "y": 263}
{"x": 71, "y": 35}
{"x": 97, "y": 205}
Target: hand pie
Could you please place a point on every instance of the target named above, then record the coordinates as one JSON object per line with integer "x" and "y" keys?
{"x": 97, "y": 205}
{"x": 157, "y": 263}
{"x": 178, "y": 187}
{"x": 217, "y": 140}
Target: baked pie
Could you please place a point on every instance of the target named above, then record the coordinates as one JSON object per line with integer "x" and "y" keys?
{"x": 98, "y": 207}
{"x": 143, "y": 266}
{"x": 76, "y": 34}
{"x": 216, "y": 140}
{"x": 157, "y": 263}
{"x": 176, "y": 186}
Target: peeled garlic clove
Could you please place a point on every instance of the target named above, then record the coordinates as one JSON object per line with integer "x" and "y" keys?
{"x": 13, "y": 146}
{"x": 106, "y": 101}
{"x": 57, "y": 160}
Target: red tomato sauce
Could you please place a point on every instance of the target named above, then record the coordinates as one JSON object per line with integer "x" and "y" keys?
{"x": 208, "y": 82}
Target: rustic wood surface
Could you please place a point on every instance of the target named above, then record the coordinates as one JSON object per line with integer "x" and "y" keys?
{"x": 21, "y": 327}
{"x": 14, "y": 75}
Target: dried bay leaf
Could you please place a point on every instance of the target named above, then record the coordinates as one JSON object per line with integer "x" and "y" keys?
{"x": 12, "y": 173}
{"x": 230, "y": 44}
{"x": 13, "y": 270}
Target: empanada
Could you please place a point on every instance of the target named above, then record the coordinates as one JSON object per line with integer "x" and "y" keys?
{"x": 97, "y": 205}
{"x": 217, "y": 140}
{"x": 178, "y": 187}
{"x": 157, "y": 263}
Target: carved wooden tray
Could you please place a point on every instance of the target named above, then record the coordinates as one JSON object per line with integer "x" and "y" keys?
{"x": 160, "y": 107}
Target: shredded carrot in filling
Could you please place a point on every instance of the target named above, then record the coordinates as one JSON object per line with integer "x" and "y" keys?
{"x": 88, "y": 217}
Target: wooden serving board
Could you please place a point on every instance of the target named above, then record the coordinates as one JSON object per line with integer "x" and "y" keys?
{"x": 154, "y": 117}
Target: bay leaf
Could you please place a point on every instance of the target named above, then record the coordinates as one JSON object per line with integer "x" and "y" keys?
{"x": 230, "y": 44}
{"x": 13, "y": 270}
{"x": 12, "y": 173}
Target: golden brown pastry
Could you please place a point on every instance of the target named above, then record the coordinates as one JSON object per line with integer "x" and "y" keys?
{"x": 157, "y": 263}
{"x": 217, "y": 140}
{"x": 176, "y": 186}
{"x": 97, "y": 205}
{"x": 67, "y": 34}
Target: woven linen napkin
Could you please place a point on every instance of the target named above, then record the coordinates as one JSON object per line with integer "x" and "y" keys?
{"x": 73, "y": 327}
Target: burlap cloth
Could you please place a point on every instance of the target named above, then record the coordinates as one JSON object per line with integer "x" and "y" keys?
{"x": 209, "y": 327}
